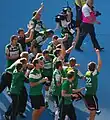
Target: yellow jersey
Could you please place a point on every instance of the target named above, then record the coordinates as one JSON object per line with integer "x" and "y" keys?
{"x": 82, "y": 2}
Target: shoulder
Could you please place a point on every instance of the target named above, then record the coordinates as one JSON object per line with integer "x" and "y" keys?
{"x": 8, "y": 45}
{"x": 65, "y": 84}
{"x": 86, "y": 7}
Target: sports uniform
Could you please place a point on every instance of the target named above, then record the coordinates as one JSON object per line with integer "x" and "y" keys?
{"x": 36, "y": 96}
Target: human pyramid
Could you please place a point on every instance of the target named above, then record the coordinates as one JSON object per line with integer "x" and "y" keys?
{"x": 51, "y": 69}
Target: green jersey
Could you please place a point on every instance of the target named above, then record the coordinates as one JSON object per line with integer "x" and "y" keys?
{"x": 12, "y": 67}
{"x": 17, "y": 82}
{"x": 57, "y": 78}
{"x": 37, "y": 25}
{"x": 35, "y": 76}
{"x": 48, "y": 66}
{"x": 78, "y": 75}
{"x": 91, "y": 82}
{"x": 51, "y": 47}
{"x": 13, "y": 52}
{"x": 67, "y": 86}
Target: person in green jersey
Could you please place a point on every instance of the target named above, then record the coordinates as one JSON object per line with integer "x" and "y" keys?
{"x": 67, "y": 92}
{"x": 35, "y": 23}
{"x": 24, "y": 37}
{"x": 42, "y": 37}
{"x": 36, "y": 84}
{"x": 78, "y": 75}
{"x": 56, "y": 84}
{"x": 47, "y": 71}
{"x": 12, "y": 50}
{"x": 17, "y": 85}
{"x": 92, "y": 85}
{"x": 55, "y": 41}
{"x": 6, "y": 76}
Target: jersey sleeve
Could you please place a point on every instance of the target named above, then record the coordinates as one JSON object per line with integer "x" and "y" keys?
{"x": 7, "y": 51}
{"x": 95, "y": 73}
{"x": 58, "y": 78}
{"x": 32, "y": 77}
{"x": 20, "y": 48}
{"x": 65, "y": 86}
{"x": 85, "y": 11}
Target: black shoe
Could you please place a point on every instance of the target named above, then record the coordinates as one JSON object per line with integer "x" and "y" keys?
{"x": 101, "y": 49}
{"x": 23, "y": 115}
{"x": 79, "y": 49}
{"x": 98, "y": 112}
{"x": 6, "y": 117}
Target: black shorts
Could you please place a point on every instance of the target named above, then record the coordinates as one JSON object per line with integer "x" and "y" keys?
{"x": 92, "y": 102}
{"x": 37, "y": 101}
{"x": 67, "y": 110}
{"x": 80, "y": 96}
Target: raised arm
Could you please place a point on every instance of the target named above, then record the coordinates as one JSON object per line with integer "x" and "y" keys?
{"x": 39, "y": 10}
{"x": 99, "y": 60}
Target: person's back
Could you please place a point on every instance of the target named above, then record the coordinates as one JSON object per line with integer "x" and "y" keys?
{"x": 17, "y": 82}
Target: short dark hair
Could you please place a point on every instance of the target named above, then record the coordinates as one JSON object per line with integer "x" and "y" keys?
{"x": 23, "y": 60}
{"x": 48, "y": 31}
{"x": 92, "y": 66}
{"x": 13, "y": 37}
{"x": 55, "y": 37}
{"x": 20, "y": 30}
{"x": 58, "y": 64}
{"x": 19, "y": 66}
{"x": 70, "y": 74}
{"x": 35, "y": 61}
{"x": 72, "y": 59}
{"x": 45, "y": 52}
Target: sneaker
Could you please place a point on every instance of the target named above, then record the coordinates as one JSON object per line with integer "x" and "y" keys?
{"x": 79, "y": 49}
{"x": 6, "y": 117}
{"x": 22, "y": 115}
{"x": 101, "y": 49}
{"x": 98, "y": 112}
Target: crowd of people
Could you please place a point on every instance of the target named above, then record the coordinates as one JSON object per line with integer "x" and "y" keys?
{"x": 52, "y": 69}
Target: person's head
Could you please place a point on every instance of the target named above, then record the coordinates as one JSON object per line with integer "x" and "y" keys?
{"x": 68, "y": 12}
{"x": 14, "y": 39}
{"x": 49, "y": 32}
{"x": 57, "y": 52}
{"x": 41, "y": 61}
{"x": 45, "y": 54}
{"x": 19, "y": 66}
{"x": 72, "y": 62}
{"x": 21, "y": 32}
{"x": 38, "y": 63}
{"x": 55, "y": 39}
{"x": 70, "y": 75}
{"x": 24, "y": 62}
{"x": 92, "y": 66}
{"x": 58, "y": 65}
{"x": 37, "y": 15}
{"x": 38, "y": 55}
{"x": 24, "y": 55}
{"x": 90, "y": 2}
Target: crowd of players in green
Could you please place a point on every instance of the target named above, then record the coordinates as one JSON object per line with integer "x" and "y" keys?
{"x": 50, "y": 69}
